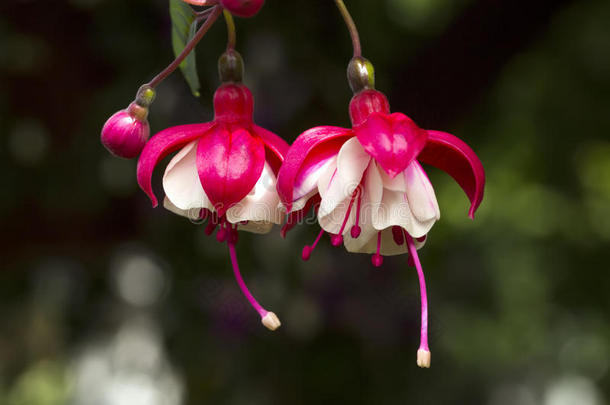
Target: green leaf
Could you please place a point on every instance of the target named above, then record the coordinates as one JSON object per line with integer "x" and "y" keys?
{"x": 184, "y": 28}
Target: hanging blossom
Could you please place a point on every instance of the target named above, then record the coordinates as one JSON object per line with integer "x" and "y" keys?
{"x": 224, "y": 172}
{"x": 367, "y": 183}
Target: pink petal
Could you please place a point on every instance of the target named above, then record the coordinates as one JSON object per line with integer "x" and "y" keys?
{"x": 162, "y": 144}
{"x": 393, "y": 140}
{"x": 452, "y": 155}
{"x": 305, "y": 158}
{"x": 276, "y": 146}
{"x": 229, "y": 165}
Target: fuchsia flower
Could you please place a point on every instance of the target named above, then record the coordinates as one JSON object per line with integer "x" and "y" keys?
{"x": 241, "y": 8}
{"x": 374, "y": 194}
{"x": 225, "y": 172}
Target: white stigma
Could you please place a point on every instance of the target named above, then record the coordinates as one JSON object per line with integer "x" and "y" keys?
{"x": 271, "y": 321}
{"x": 423, "y": 358}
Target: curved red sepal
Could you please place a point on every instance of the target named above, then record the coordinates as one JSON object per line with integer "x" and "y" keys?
{"x": 229, "y": 164}
{"x": 274, "y": 144}
{"x": 162, "y": 144}
{"x": 456, "y": 158}
{"x": 306, "y": 153}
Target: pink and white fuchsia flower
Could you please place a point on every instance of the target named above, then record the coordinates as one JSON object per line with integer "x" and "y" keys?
{"x": 225, "y": 172}
{"x": 374, "y": 196}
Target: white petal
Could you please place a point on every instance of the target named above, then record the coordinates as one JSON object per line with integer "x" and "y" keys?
{"x": 192, "y": 213}
{"x": 300, "y": 203}
{"x": 395, "y": 184}
{"x": 181, "y": 180}
{"x": 368, "y": 244}
{"x": 352, "y": 161}
{"x": 333, "y": 222}
{"x": 310, "y": 181}
{"x": 261, "y": 204}
{"x": 372, "y": 191}
{"x": 420, "y": 193}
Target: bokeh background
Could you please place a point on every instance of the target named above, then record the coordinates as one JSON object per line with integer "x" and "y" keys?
{"x": 106, "y": 301}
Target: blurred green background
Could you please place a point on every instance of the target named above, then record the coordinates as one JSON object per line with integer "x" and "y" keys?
{"x": 105, "y": 301}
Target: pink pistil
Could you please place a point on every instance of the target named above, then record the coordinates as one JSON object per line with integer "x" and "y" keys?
{"x": 377, "y": 259}
{"x": 423, "y": 345}
{"x": 306, "y": 254}
{"x": 398, "y": 236}
{"x": 242, "y": 285}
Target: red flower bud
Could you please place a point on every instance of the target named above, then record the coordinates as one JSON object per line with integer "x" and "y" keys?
{"x": 126, "y": 132}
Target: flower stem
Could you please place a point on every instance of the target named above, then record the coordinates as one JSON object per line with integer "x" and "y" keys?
{"x": 351, "y": 27}
{"x": 187, "y": 49}
{"x": 230, "y": 29}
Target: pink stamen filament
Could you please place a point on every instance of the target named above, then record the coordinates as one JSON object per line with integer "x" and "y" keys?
{"x": 355, "y": 231}
{"x": 242, "y": 285}
{"x": 377, "y": 259}
{"x": 212, "y": 223}
{"x": 422, "y": 290}
{"x": 338, "y": 238}
{"x": 307, "y": 249}
{"x": 223, "y": 232}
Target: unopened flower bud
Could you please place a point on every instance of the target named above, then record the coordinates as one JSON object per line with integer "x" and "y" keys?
{"x": 243, "y": 8}
{"x": 126, "y": 132}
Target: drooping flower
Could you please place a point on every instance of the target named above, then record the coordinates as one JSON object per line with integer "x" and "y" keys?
{"x": 125, "y": 133}
{"x": 241, "y": 8}
{"x": 374, "y": 195}
{"x": 225, "y": 170}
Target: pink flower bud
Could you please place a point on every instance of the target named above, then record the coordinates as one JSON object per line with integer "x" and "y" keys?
{"x": 126, "y": 132}
{"x": 243, "y": 8}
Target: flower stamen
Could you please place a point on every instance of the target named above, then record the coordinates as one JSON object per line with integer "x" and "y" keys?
{"x": 423, "y": 353}
{"x": 377, "y": 259}
{"x": 269, "y": 319}
{"x": 337, "y": 239}
{"x": 307, "y": 249}
{"x": 223, "y": 232}
{"x": 355, "y": 231}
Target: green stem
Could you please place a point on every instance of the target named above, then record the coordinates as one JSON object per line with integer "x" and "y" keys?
{"x": 187, "y": 49}
{"x": 351, "y": 27}
{"x": 231, "y": 37}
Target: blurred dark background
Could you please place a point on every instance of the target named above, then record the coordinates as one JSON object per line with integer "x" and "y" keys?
{"x": 105, "y": 301}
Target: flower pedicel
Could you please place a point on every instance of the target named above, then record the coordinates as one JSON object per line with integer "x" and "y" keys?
{"x": 374, "y": 196}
